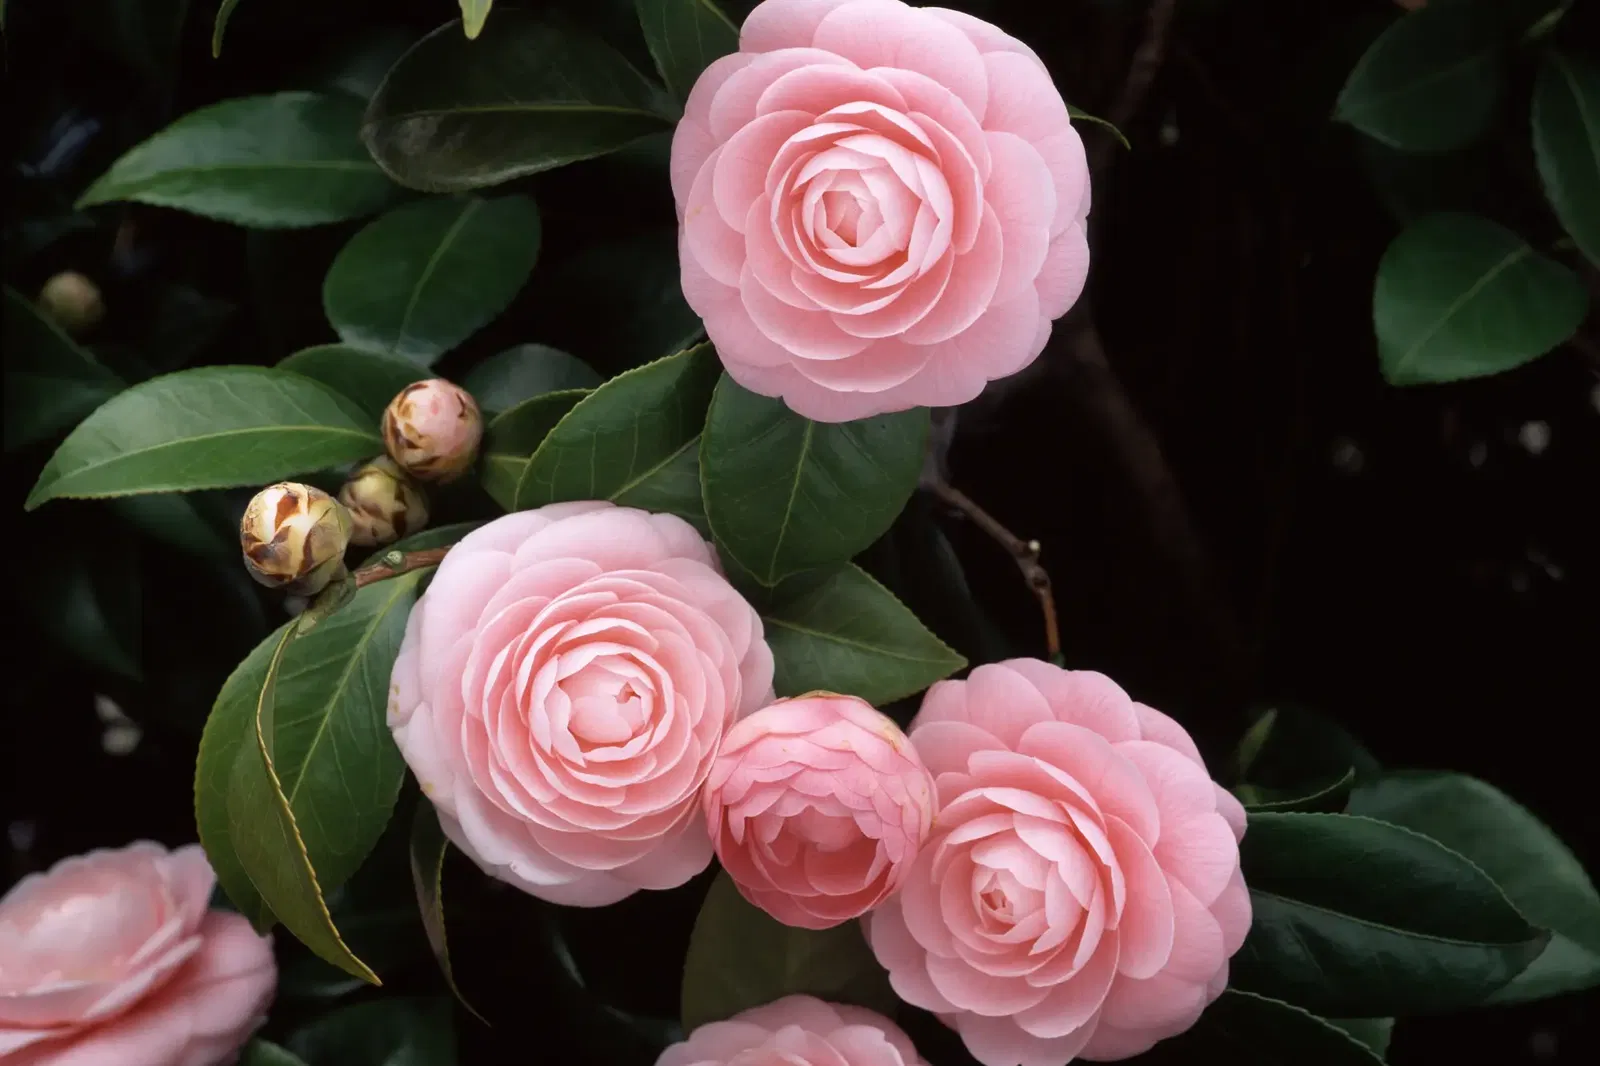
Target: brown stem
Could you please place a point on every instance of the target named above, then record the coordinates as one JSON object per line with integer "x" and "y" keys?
{"x": 396, "y": 563}
{"x": 1147, "y": 60}
{"x": 1025, "y": 552}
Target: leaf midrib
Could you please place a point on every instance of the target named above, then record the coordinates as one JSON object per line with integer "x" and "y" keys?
{"x": 788, "y": 510}
{"x": 142, "y": 452}
{"x": 428, "y": 268}
{"x": 1384, "y": 927}
{"x": 850, "y": 642}
{"x": 1516, "y": 256}
{"x": 359, "y": 650}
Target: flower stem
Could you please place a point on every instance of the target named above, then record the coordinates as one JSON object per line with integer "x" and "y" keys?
{"x": 396, "y": 563}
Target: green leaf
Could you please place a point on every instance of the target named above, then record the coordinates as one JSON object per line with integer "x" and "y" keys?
{"x": 502, "y": 381}
{"x": 1375, "y": 1033}
{"x": 1077, "y": 114}
{"x": 741, "y": 957}
{"x": 261, "y": 1053}
{"x": 1461, "y": 297}
{"x": 50, "y": 382}
{"x": 1566, "y": 145}
{"x": 512, "y": 437}
{"x": 685, "y": 36}
{"x": 1529, "y": 863}
{"x": 209, "y": 428}
{"x": 455, "y": 114}
{"x": 368, "y": 379}
{"x": 1328, "y": 796}
{"x": 673, "y": 487}
{"x": 333, "y": 753}
{"x": 383, "y": 1032}
{"x": 220, "y": 27}
{"x": 177, "y": 522}
{"x": 1245, "y": 1029}
{"x": 624, "y": 435}
{"x": 474, "y": 13}
{"x": 1358, "y": 918}
{"x": 428, "y": 849}
{"x": 785, "y": 494}
{"x": 289, "y": 159}
{"x": 425, "y": 277}
{"x": 89, "y": 603}
{"x": 266, "y": 837}
{"x": 1295, "y": 749}
{"x": 1432, "y": 80}
{"x": 841, "y": 631}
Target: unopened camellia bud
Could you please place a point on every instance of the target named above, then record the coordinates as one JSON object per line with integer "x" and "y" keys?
{"x": 432, "y": 430}
{"x": 384, "y": 503}
{"x": 294, "y": 537}
{"x": 72, "y": 302}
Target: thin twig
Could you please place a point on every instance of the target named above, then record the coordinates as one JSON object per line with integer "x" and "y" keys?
{"x": 1025, "y": 552}
{"x": 1147, "y": 60}
{"x": 396, "y": 563}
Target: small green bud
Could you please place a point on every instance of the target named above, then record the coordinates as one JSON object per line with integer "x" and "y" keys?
{"x": 72, "y": 302}
{"x": 293, "y": 537}
{"x": 384, "y": 503}
{"x": 432, "y": 430}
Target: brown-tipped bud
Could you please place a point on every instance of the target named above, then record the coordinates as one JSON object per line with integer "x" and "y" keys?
{"x": 432, "y": 430}
{"x": 384, "y": 503}
{"x": 294, "y": 537}
{"x": 72, "y": 302}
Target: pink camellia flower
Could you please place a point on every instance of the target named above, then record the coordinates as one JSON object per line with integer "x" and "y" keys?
{"x": 1081, "y": 894}
{"x": 881, "y": 206}
{"x": 817, "y": 806}
{"x": 796, "y": 1031}
{"x": 113, "y": 959}
{"x": 562, "y": 689}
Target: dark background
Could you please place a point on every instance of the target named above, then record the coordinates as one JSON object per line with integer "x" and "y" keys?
{"x": 1236, "y": 511}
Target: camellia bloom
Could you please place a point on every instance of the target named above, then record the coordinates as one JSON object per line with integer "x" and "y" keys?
{"x": 1080, "y": 894}
{"x": 432, "y": 430}
{"x": 796, "y": 1031}
{"x": 881, "y": 207}
{"x": 817, "y": 806}
{"x": 562, "y": 689}
{"x": 113, "y": 959}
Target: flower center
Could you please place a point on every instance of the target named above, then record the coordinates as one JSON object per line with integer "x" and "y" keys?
{"x": 609, "y": 703}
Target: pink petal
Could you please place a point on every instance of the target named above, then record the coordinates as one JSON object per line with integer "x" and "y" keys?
{"x": 733, "y": 106}
{"x": 1064, "y": 272}
{"x": 811, "y": 334}
{"x": 741, "y": 170}
{"x": 1001, "y": 1042}
{"x": 881, "y": 367}
{"x": 1115, "y": 783}
{"x": 1083, "y": 697}
{"x": 970, "y": 290}
{"x": 784, "y": 24}
{"x": 1002, "y": 337}
{"x": 716, "y": 246}
{"x": 816, "y": 89}
{"x": 1145, "y": 928}
{"x": 1022, "y": 98}
{"x": 884, "y": 33}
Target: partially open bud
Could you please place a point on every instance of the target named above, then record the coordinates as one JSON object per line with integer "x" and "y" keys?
{"x": 432, "y": 430}
{"x": 294, "y": 537}
{"x": 384, "y": 503}
{"x": 72, "y": 302}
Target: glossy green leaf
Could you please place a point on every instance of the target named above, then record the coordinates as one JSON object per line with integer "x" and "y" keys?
{"x": 266, "y": 837}
{"x": 474, "y": 13}
{"x": 333, "y": 754}
{"x": 455, "y": 114}
{"x": 1461, "y": 297}
{"x": 261, "y": 1053}
{"x": 785, "y": 494}
{"x": 50, "y": 382}
{"x": 741, "y": 957}
{"x": 425, "y": 277}
{"x": 1566, "y": 145}
{"x": 1375, "y": 1033}
{"x": 289, "y": 159}
{"x": 1328, "y": 796}
{"x": 1533, "y": 867}
{"x": 1245, "y": 1029}
{"x": 1296, "y": 749}
{"x": 381, "y": 1032}
{"x": 673, "y": 487}
{"x": 428, "y": 850}
{"x": 1358, "y": 918}
{"x": 220, "y": 26}
{"x": 208, "y": 428}
{"x": 179, "y": 522}
{"x": 512, "y": 437}
{"x": 521, "y": 373}
{"x": 624, "y": 435}
{"x": 685, "y": 36}
{"x": 368, "y": 379}
{"x": 841, "y": 631}
{"x": 1431, "y": 81}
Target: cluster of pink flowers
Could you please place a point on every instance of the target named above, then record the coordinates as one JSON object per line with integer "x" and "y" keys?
{"x": 1043, "y": 862}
